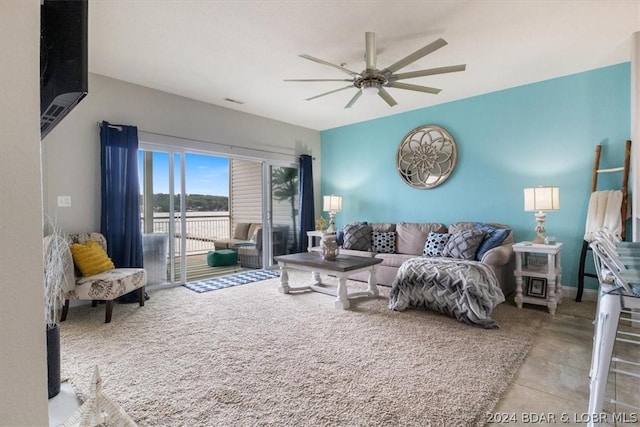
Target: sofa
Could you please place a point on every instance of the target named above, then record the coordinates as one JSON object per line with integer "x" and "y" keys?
{"x": 246, "y": 240}
{"x": 397, "y": 243}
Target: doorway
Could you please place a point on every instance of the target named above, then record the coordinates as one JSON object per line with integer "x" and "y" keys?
{"x": 190, "y": 199}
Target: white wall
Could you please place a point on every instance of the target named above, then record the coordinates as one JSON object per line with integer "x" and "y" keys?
{"x": 23, "y": 371}
{"x": 71, "y": 155}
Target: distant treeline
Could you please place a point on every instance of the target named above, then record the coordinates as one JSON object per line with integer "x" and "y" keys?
{"x": 194, "y": 202}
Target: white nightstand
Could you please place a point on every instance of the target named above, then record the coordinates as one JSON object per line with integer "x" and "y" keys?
{"x": 538, "y": 274}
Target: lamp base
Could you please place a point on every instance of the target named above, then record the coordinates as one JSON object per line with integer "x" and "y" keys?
{"x": 539, "y": 239}
{"x": 331, "y": 229}
{"x": 540, "y": 218}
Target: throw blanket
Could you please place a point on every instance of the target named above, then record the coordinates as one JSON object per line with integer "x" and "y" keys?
{"x": 604, "y": 212}
{"x": 467, "y": 290}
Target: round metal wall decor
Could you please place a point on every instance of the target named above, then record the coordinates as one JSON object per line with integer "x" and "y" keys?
{"x": 426, "y": 157}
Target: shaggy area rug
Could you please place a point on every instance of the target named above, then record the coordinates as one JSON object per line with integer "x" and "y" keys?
{"x": 248, "y": 355}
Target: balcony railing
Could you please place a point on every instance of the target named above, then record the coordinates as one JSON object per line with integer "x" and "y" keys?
{"x": 202, "y": 228}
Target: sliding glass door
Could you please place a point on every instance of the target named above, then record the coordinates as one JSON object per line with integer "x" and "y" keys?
{"x": 283, "y": 209}
{"x": 190, "y": 200}
{"x": 162, "y": 214}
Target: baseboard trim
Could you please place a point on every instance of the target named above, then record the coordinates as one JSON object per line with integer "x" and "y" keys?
{"x": 587, "y": 294}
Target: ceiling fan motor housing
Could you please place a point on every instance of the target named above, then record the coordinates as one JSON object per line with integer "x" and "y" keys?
{"x": 370, "y": 78}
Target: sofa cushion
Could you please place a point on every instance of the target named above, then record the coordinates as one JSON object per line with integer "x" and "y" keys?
{"x": 253, "y": 229}
{"x": 383, "y": 242}
{"x": 435, "y": 244}
{"x": 393, "y": 260}
{"x": 357, "y": 237}
{"x": 256, "y": 233}
{"x": 241, "y": 231}
{"x": 90, "y": 258}
{"x": 493, "y": 238}
{"x": 382, "y": 226}
{"x": 364, "y": 254}
{"x": 412, "y": 236}
{"x": 464, "y": 244}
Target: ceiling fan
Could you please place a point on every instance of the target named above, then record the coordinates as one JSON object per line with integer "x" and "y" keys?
{"x": 371, "y": 80}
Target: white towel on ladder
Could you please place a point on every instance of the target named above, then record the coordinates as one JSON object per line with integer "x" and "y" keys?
{"x": 604, "y": 212}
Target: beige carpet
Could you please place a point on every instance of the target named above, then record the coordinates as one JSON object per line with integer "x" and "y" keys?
{"x": 248, "y": 355}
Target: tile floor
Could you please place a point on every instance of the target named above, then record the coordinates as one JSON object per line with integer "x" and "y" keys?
{"x": 552, "y": 385}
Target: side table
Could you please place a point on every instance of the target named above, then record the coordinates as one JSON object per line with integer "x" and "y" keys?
{"x": 312, "y": 236}
{"x": 538, "y": 274}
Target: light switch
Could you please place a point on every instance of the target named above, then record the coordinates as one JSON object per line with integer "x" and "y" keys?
{"x": 64, "y": 201}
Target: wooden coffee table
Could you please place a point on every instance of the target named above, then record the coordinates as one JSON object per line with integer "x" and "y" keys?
{"x": 342, "y": 267}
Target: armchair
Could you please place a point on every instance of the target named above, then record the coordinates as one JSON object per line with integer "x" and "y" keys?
{"x": 105, "y": 286}
{"x": 251, "y": 256}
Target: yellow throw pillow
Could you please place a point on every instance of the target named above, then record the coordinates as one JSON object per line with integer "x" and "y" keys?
{"x": 90, "y": 258}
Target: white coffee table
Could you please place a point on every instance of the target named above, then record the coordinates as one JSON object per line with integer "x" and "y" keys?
{"x": 342, "y": 267}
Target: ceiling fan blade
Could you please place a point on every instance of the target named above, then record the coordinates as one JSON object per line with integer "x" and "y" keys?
{"x": 415, "y": 56}
{"x": 371, "y": 50}
{"x": 330, "y": 92}
{"x": 322, "y": 61}
{"x": 414, "y": 87}
{"x": 318, "y": 80}
{"x": 385, "y": 95}
{"x": 354, "y": 99}
{"x": 429, "y": 72}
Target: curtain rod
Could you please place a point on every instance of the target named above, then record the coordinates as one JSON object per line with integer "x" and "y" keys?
{"x": 111, "y": 126}
{"x": 231, "y": 147}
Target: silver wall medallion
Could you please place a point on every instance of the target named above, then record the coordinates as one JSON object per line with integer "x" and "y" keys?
{"x": 426, "y": 157}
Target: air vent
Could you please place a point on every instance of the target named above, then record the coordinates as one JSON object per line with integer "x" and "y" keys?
{"x": 235, "y": 101}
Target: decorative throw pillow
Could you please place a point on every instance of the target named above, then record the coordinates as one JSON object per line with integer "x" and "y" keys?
{"x": 357, "y": 237}
{"x": 383, "y": 242}
{"x": 90, "y": 258}
{"x": 241, "y": 230}
{"x": 463, "y": 244}
{"x": 493, "y": 239}
{"x": 340, "y": 236}
{"x": 435, "y": 244}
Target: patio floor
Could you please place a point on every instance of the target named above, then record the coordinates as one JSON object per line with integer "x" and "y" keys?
{"x": 197, "y": 268}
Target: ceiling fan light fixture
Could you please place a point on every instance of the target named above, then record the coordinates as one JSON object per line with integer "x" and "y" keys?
{"x": 370, "y": 91}
{"x": 370, "y": 88}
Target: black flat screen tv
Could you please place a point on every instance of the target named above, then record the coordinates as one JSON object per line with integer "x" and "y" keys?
{"x": 63, "y": 59}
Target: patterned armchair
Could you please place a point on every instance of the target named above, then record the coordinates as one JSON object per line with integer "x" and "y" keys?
{"x": 105, "y": 286}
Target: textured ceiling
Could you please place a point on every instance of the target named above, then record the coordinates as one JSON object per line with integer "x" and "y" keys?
{"x": 242, "y": 50}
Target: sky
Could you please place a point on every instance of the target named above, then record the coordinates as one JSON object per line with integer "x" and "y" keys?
{"x": 205, "y": 174}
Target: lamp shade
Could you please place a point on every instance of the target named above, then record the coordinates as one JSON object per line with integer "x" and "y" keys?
{"x": 542, "y": 199}
{"x": 332, "y": 203}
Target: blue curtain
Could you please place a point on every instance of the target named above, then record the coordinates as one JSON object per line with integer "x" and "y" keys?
{"x": 120, "y": 220}
{"x": 307, "y": 215}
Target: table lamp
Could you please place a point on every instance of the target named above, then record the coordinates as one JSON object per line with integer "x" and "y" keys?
{"x": 332, "y": 204}
{"x": 540, "y": 199}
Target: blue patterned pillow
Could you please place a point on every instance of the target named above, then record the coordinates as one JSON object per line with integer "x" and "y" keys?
{"x": 493, "y": 239}
{"x": 383, "y": 242}
{"x": 435, "y": 244}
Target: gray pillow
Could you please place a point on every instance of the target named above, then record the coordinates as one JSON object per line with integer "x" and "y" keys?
{"x": 357, "y": 237}
{"x": 464, "y": 244}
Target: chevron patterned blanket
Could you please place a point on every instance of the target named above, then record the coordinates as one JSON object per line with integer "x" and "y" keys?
{"x": 467, "y": 290}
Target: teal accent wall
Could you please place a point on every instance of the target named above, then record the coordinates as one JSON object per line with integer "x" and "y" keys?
{"x": 538, "y": 134}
